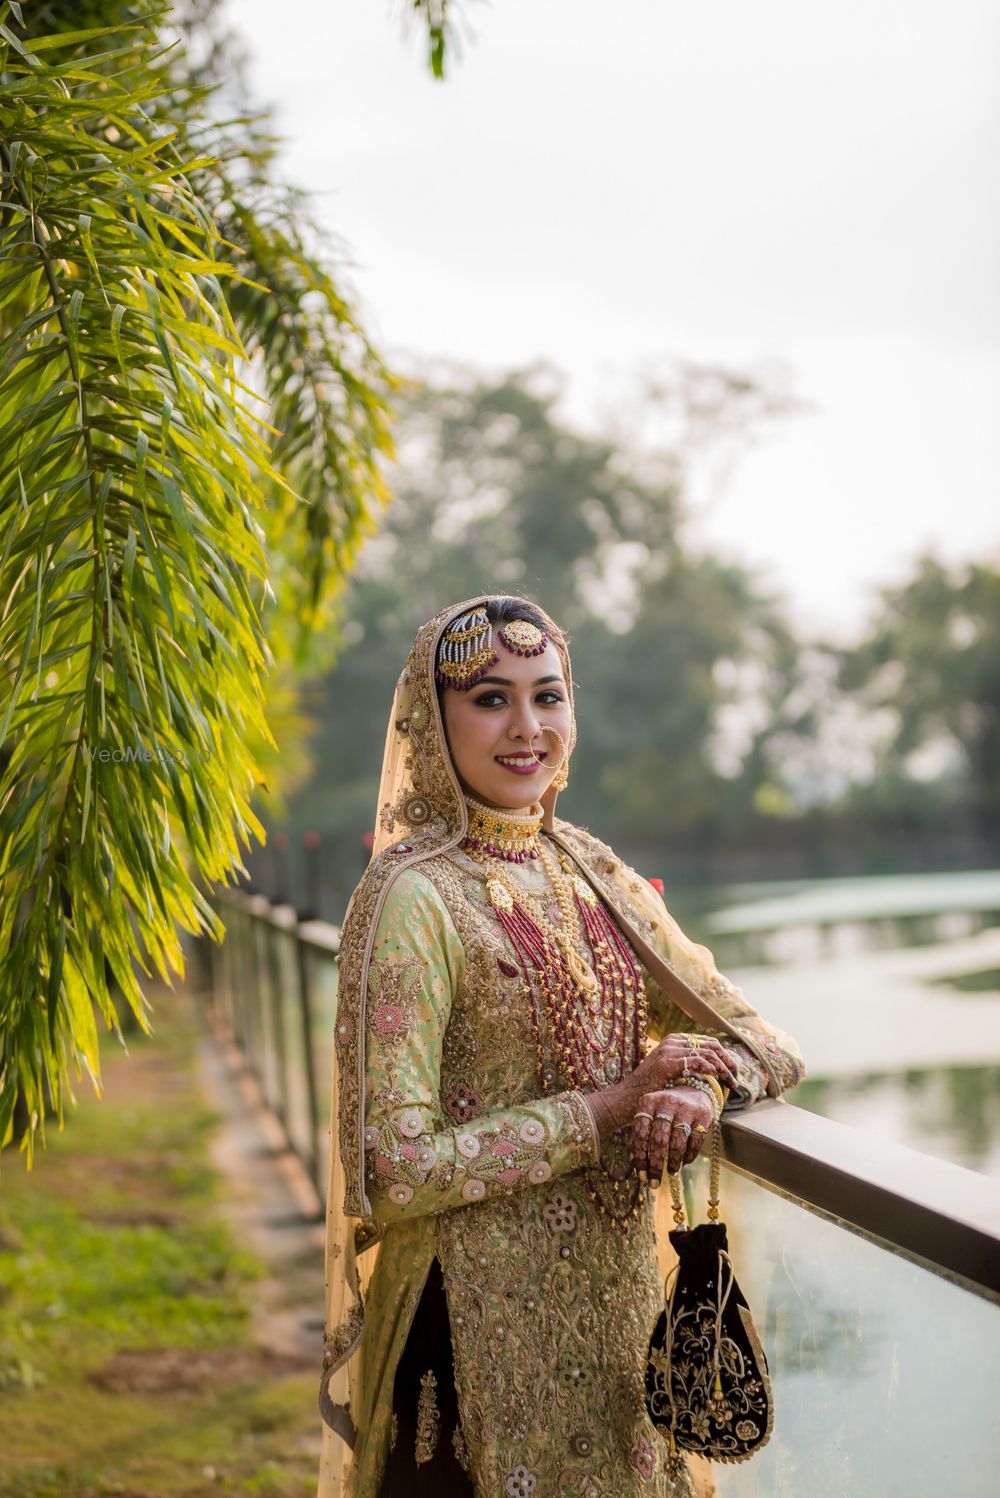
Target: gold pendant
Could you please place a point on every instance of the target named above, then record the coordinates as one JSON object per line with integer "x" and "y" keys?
{"x": 581, "y": 972}
{"x": 499, "y": 896}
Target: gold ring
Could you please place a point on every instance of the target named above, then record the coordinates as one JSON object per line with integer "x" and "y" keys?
{"x": 700, "y": 1129}
{"x": 644, "y": 1115}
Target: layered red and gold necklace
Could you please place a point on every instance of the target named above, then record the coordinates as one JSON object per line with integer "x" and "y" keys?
{"x": 596, "y": 1010}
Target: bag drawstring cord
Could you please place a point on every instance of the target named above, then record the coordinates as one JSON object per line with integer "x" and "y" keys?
{"x": 723, "y": 1297}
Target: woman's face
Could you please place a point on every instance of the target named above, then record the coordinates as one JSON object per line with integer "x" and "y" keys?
{"x": 503, "y": 718}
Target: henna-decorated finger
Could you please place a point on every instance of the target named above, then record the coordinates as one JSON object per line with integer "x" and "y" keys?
{"x": 701, "y": 1123}
{"x": 707, "y": 1063}
{"x": 693, "y": 1146}
{"x": 675, "y": 1057}
{"x": 713, "y": 1049}
{"x": 706, "y": 1042}
{"x": 679, "y": 1136}
{"x": 639, "y": 1145}
{"x": 659, "y": 1143}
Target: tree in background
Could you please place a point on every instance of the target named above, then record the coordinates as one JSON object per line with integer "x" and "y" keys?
{"x": 495, "y": 492}
{"x": 190, "y": 422}
{"x": 931, "y": 661}
{"x": 713, "y": 736}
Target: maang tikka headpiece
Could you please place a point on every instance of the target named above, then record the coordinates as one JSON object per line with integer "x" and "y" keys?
{"x": 466, "y": 652}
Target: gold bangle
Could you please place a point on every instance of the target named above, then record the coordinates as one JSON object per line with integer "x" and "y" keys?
{"x": 710, "y": 1087}
{"x": 716, "y": 1087}
{"x": 704, "y": 1081}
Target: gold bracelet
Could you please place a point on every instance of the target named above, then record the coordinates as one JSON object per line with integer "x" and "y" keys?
{"x": 704, "y": 1080}
{"x": 710, "y": 1087}
{"x": 716, "y": 1087}
{"x": 701, "y": 1084}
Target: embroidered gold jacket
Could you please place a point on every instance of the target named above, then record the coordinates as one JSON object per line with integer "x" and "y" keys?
{"x": 464, "y": 1158}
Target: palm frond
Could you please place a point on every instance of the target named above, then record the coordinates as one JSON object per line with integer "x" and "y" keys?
{"x": 134, "y": 462}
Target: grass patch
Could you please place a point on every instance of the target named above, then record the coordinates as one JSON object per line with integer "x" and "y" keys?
{"x": 126, "y": 1361}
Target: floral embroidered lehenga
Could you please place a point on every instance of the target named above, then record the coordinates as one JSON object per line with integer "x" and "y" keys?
{"x": 471, "y": 1199}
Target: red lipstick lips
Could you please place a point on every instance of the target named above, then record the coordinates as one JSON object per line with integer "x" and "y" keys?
{"x": 528, "y": 766}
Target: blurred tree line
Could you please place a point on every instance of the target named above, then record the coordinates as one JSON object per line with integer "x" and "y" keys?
{"x": 714, "y": 739}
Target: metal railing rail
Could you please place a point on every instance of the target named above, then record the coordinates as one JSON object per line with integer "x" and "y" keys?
{"x": 936, "y": 1214}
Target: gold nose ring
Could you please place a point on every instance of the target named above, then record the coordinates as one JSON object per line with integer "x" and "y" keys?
{"x": 547, "y": 728}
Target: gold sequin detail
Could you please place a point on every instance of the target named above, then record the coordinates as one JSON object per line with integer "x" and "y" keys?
{"x": 428, "y": 1419}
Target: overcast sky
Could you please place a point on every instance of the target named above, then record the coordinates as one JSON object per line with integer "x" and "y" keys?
{"x": 609, "y": 186}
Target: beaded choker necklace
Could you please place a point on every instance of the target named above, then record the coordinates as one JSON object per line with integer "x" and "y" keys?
{"x": 508, "y": 835}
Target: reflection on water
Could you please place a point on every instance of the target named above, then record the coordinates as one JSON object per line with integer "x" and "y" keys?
{"x": 985, "y": 982}
{"x": 892, "y": 987}
{"x": 821, "y": 941}
{"x": 831, "y": 902}
{"x": 952, "y": 1112}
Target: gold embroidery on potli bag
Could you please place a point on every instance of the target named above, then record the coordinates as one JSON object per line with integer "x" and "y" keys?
{"x": 428, "y": 1419}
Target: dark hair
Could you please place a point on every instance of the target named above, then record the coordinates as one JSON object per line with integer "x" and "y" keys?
{"x": 502, "y": 608}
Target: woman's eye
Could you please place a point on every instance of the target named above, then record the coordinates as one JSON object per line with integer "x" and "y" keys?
{"x": 488, "y": 699}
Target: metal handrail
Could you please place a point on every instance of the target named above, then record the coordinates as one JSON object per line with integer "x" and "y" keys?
{"x": 938, "y": 1215}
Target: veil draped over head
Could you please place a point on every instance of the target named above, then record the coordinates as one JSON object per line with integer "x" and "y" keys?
{"x": 421, "y": 812}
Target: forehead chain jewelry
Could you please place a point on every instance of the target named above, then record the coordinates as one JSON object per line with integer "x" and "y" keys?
{"x": 467, "y": 652}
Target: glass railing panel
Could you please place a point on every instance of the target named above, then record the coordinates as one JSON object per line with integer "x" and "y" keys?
{"x": 884, "y": 1373}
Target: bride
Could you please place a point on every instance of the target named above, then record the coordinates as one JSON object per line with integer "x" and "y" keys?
{"x": 511, "y": 1078}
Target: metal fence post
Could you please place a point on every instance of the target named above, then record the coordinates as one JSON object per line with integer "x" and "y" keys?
{"x": 305, "y": 1002}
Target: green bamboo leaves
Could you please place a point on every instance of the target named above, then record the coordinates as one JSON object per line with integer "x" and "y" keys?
{"x": 143, "y": 484}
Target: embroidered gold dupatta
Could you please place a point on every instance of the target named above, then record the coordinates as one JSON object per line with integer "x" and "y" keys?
{"x": 422, "y": 812}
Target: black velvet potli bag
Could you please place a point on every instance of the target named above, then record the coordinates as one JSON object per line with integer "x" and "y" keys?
{"x": 708, "y": 1390}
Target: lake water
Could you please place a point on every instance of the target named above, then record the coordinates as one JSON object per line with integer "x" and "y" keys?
{"x": 891, "y": 985}
{"x": 884, "y": 1374}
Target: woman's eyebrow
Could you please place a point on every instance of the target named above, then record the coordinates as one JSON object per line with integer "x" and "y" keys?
{"x": 503, "y": 681}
